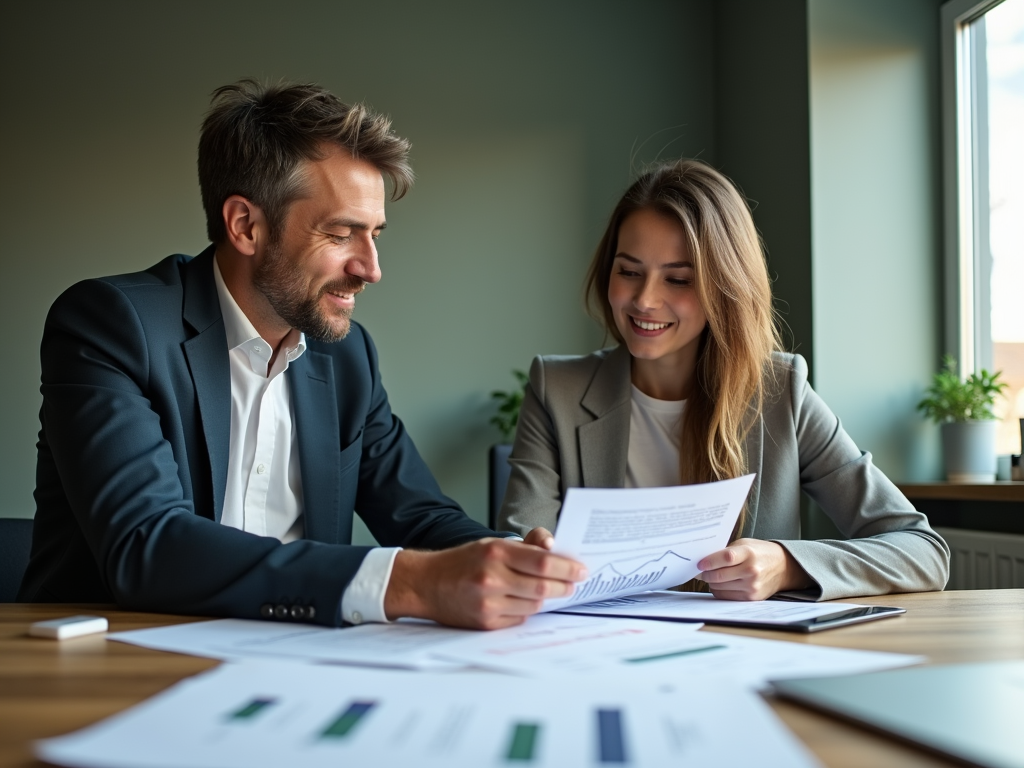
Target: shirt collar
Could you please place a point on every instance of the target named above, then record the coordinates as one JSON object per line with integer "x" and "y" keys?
{"x": 241, "y": 332}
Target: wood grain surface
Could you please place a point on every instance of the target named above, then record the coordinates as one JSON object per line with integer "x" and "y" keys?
{"x": 1006, "y": 490}
{"x": 50, "y": 687}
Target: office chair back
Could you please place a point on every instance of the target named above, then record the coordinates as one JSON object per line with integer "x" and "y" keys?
{"x": 15, "y": 544}
{"x": 499, "y": 471}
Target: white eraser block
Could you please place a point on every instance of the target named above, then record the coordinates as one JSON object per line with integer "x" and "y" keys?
{"x": 72, "y": 626}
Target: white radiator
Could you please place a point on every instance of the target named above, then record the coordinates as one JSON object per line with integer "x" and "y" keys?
{"x": 982, "y": 560}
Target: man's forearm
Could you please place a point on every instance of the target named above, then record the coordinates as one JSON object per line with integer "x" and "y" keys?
{"x": 409, "y": 574}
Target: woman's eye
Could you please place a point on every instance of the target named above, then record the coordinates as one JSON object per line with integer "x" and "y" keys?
{"x": 627, "y": 272}
{"x": 679, "y": 281}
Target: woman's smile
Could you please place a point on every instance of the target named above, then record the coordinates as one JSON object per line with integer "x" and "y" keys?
{"x": 643, "y": 327}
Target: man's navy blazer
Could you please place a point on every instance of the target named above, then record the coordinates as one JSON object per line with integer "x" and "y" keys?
{"x": 133, "y": 459}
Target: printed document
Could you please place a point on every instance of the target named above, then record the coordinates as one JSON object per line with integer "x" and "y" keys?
{"x": 638, "y": 539}
{"x": 752, "y": 662}
{"x": 404, "y": 644}
{"x": 267, "y": 714}
{"x": 548, "y": 644}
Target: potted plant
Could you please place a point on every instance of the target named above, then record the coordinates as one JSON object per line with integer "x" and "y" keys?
{"x": 505, "y": 420}
{"x": 963, "y": 409}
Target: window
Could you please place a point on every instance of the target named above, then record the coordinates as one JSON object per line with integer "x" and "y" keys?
{"x": 983, "y": 104}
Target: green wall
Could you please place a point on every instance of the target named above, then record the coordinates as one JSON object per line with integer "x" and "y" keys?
{"x": 874, "y": 76}
{"x": 762, "y": 141}
{"x": 526, "y": 120}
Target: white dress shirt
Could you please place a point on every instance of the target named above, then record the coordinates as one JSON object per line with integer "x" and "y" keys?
{"x": 263, "y": 494}
{"x": 654, "y": 438}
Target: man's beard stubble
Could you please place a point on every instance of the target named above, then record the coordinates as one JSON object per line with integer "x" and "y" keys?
{"x": 282, "y": 285}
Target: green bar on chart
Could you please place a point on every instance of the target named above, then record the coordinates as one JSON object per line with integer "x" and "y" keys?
{"x": 687, "y": 652}
{"x": 251, "y": 709}
{"x": 348, "y": 719}
{"x": 524, "y": 742}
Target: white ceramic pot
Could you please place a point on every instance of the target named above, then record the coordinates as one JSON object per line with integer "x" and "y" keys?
{"x": 969, "y": 451}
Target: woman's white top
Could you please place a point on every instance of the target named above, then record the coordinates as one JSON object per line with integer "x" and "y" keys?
{"x": 655, "y": 431}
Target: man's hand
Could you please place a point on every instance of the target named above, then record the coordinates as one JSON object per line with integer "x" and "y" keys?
{"x": 540, "y": 537}
{"x": 752, "y": 569}
{"x": 486, "y": 584}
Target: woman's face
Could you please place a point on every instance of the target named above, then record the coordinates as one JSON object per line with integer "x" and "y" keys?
{"x": 652, "y": 292}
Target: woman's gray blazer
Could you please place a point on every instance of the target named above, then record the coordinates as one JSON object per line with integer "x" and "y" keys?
{"x": 574, "y": 432}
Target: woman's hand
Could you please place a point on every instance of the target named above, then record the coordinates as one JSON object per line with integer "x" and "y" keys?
{"x": 752, "y": 569}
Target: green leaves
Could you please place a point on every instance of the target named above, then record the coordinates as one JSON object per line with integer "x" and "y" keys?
{"x": 950, "y": 399}
{"x": 509, "y": 404}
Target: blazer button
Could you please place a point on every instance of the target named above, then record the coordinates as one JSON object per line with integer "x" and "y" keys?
{"x": 267, "y": 611}
{"x": 281, "y": 612}
{"x": 310, "y": 611}
{"x": 298, "y": 612}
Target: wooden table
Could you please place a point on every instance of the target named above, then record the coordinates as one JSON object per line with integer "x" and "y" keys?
{"x": 49, "y": 688}
{"x": 1008, "y": 490}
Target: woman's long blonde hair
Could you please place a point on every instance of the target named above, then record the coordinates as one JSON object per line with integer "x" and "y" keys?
{"x": 731, "y": 279}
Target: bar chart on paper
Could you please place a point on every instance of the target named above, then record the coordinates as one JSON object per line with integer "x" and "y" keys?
{"x": 262, "y": 714}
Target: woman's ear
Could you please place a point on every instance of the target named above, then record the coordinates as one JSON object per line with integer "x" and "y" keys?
{"x": 244, "y": 223}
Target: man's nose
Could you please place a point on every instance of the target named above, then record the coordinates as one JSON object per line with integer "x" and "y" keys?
{"x": 364, "y": 263}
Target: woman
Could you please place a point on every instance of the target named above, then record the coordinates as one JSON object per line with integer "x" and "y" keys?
{"x": 696, "y": 391}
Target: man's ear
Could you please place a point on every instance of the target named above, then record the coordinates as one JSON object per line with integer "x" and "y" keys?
{"x": 245, "y": 224}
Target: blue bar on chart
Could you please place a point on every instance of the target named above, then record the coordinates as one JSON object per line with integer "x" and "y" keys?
{"x": 251, "y": 709}
{"x": 348, "y": 720}
{"x": 611, "y": 742}
{"x": 524, "y": 743}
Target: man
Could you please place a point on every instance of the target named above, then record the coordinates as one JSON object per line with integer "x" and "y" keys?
{"x": 210, "y": 424}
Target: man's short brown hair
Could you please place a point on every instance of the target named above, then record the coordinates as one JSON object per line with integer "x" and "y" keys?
{"x": 255, "y": 138}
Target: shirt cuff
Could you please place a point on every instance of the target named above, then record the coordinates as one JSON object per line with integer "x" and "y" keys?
{"x": 363, "y": 598}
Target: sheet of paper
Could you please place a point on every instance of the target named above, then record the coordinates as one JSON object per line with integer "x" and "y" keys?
{"x": 405, "y": 644}
{"x": 262, "y": 714}
{"x": 558, "y": 644}
{"x": 546, "y": 643}
{"x": 697, "y": 606}
{"x": 638, "y": 539}
{"x": 750, "y": 662}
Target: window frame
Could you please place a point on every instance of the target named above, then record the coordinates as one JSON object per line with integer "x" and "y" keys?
{"x": 967, "y": 256}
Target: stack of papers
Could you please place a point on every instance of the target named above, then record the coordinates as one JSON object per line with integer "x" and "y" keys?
{"x": 769, "y": 614}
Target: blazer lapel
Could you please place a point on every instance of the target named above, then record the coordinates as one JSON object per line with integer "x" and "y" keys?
{"x": 755, "y": 454}
{"x": 311, "y": 379}
{"x": 207, "y": 356}
{"x": 604, "y": 442}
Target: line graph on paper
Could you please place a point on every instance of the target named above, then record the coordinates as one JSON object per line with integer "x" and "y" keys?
{"x": 637, "y": 539}
{"x": 613, "y": 578}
